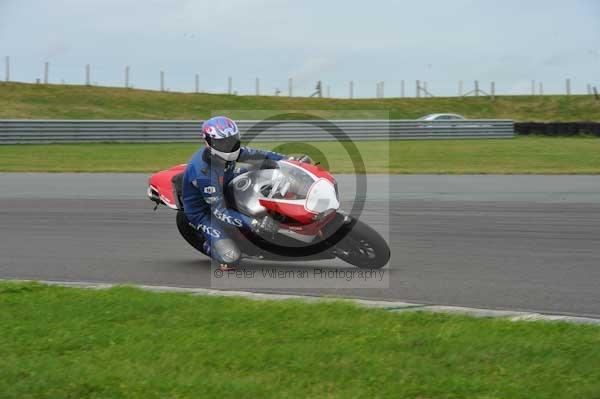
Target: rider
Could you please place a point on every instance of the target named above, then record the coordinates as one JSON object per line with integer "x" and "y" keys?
{"x": 207, "y": 174}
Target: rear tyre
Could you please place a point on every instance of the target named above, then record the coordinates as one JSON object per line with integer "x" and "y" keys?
{"x": 188, "y": 232}
{"x": 363, "y": 247}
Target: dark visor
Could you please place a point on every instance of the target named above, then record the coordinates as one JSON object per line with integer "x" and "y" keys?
{"x": 225, "y": 144}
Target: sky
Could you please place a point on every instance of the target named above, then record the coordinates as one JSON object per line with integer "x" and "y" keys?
{"x": 441, "y": 42}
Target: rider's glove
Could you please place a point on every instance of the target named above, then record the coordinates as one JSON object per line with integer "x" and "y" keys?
{"x": 269, "y": 164}
{"x": 265, "y": 225}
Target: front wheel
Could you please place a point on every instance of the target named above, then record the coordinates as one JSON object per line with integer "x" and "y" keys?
{"x": 363, "y": 247}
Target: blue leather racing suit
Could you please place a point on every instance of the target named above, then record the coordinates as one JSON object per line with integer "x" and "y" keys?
{"x": 204, "y": 183}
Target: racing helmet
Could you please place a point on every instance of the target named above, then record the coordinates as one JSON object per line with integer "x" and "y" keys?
{"x": 222, "y": 137}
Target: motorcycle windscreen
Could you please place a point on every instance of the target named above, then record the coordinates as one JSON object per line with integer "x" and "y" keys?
{"x": 322, "y": 197}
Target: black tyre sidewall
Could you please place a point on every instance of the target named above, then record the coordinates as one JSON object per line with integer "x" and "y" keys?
{"x": 361, "y": 231}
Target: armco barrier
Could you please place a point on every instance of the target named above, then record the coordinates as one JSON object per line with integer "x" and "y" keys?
{"x": 558, "y": 128}
{"x": 76, "y": 131}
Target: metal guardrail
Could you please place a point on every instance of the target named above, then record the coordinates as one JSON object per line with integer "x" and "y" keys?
{"x": 142, "y": 131}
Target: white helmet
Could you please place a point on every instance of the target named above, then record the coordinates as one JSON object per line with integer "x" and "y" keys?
{"x": 222, "y": 137}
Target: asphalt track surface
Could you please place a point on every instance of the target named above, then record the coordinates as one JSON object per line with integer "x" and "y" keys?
{"x": 504, "y": 242}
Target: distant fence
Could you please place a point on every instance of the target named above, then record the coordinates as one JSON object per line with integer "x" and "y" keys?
{"x": 189, "y": 82}
{"x": 76, "y": 131}
{"x": 558, "y": 128}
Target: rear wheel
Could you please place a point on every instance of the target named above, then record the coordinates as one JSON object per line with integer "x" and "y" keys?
{"x": 363, "y": 247}
{"x": 188, "y": 232}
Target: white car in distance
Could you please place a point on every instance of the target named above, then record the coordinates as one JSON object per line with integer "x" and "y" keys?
{"x": 445, "y": 121}
{"x": 442, "y": 117}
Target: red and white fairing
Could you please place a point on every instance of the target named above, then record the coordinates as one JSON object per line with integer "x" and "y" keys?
{"x": 304, "y": 194}
{"x": 160, "y": 186}
{"x": 320, "y": 195}
{"x": 311, "y": 210}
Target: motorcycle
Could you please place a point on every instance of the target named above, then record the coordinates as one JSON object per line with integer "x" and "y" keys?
{"x": 302, "y": 197}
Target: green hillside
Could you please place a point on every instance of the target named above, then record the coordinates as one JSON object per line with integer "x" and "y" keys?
{"x": 29, "y": 101}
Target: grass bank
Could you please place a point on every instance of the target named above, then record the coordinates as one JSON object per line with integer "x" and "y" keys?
{"x": 29, "y": 101}
{"x": 125, "y": 343}
{"x": 523, "y": 155}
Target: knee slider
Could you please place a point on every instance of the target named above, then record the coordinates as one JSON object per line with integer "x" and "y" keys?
{"x": 227, "y": 250}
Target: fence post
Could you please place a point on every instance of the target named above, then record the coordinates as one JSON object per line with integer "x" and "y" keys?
{"x": 402, "y": 88}
{"x": 351, "y": 89}
{"x": 460, "y": 88}
{"x": 418, "y": 88}
{"x": 568, "y": 86}
{"x": 162, "y": 80}
{"x": 257, "y": 86}
{"x": 46, "y": 71}
{"x": 290, "y": 87}
{"x": 541, "y": 89}
{"x": 476, "y": 88}
{"x": 493, "y": 90}
{"x": 7, "y": 69}
{"x": 229, "y": 85}
{"x": 127, "y": 77}
{"x": 87, "y": 75}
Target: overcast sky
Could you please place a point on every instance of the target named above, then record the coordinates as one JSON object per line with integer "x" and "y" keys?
{"x": 441, "y": 42}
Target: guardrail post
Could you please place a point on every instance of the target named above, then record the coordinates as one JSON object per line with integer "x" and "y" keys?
{"x": 351, "y": 95}
{"x": 46, "y": 72}
{"x": 568, "y": 86}
{"x": 87, "y": 75}
{"x": 402, "y": 89}
{"x": 229, "y": 85}
{"x": 7, "y": 69}
{"x": 257, "y": 86}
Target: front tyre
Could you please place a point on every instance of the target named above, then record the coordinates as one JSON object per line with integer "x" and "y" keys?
{"x": 363, "y": 247}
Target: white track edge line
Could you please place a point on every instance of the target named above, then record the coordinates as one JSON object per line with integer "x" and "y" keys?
{"x": 394, "y": 306}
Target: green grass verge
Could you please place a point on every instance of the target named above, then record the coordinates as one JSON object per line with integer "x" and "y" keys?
{"x": 28, "y": 101}
{"x": 124, "y": 343}
{"x": 542, "y": 155}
